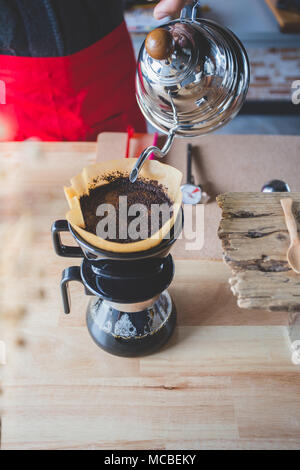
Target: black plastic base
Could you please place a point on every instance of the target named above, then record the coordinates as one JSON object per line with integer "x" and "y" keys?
{"x": 132, "y": 347}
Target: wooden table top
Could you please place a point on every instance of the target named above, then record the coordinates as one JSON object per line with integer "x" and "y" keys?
{"x": 225, "y": 380}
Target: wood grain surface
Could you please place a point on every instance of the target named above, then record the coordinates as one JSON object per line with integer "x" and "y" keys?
{"x": 225, "y": 380}
{"x": 255, "y": 242}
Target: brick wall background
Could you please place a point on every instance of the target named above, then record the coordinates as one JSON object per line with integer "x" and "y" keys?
{"x": 273, "y": 70}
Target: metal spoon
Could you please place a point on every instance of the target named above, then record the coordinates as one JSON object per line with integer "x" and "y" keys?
{"x": 276, "y": 186}
{"x": 293, "y": 254}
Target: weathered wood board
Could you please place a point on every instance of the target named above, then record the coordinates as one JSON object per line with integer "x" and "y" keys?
{"x": 255, "y": 243}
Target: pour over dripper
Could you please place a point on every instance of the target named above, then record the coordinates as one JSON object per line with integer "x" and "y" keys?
{"x": 197, "y": 83}
{"x": 131, "y": 312}
{"x": 99, "y": 174}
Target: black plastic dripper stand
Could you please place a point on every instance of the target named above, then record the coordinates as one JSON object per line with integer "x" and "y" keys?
{"x": 131, "y": 313}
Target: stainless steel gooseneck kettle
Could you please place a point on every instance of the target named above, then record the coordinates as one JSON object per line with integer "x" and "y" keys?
{"x": 192, "y": 78}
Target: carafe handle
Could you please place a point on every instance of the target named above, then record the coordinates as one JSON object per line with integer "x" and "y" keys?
{"x": 71, "y": 273}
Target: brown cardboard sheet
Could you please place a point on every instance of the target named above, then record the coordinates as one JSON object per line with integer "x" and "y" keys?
{"x": 221, "y": 163}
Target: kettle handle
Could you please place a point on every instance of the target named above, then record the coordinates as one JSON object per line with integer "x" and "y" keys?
{"x": 192, "y": 11}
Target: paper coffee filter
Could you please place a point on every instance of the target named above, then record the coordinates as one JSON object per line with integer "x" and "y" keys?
{"x": 96, "y": 175}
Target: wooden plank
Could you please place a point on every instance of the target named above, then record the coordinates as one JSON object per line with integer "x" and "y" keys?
{"x": 288, "y": 20}
{"x": 255, "y": 243}
{"x": 79, "y": 395}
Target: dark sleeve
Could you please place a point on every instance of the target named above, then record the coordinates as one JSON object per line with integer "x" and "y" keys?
{"x": 9, "y": 28}
{"x": 50, "y": 28}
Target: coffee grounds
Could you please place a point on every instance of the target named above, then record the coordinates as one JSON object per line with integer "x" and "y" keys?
{"x": 146, "y": 192}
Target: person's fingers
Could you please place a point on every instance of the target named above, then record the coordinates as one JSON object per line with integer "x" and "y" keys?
{"x": 169, "y": 8}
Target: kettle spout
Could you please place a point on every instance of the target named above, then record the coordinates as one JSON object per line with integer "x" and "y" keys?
{"x": 151, "y": 149}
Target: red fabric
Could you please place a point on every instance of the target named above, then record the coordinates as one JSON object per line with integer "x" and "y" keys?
{"x": 73, "y": 97}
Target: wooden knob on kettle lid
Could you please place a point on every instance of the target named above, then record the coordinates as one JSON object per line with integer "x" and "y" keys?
{"x": 160, "y": 44}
